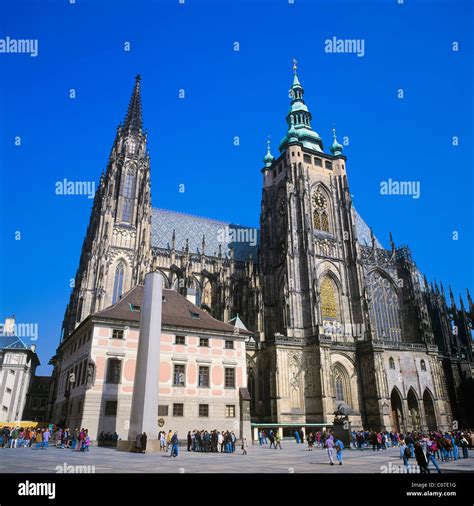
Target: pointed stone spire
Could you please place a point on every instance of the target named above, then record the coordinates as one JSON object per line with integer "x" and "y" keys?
{"x": 461, "y": 302}
{"x": 336, "y": 148}
{"x": 469, "y": 300}
{"x": 436, "y": 287}
{"x": 173, "y": 240}
{"x": 442, "y": 289}
{"x": 133, "y": 120}
{"x": 451, "y": 296}
{"x": 392, "y": 244}
{"x": 299, "y": 119}
{"x": 203, "y": 244}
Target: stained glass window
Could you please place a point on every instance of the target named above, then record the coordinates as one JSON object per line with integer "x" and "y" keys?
{"x": 320, "y": 213}
{"x": 329, "y": 305}
{"x": 384, "y": 313}
{"x": 118, "y": 283}
{"x": 339, "y": 388}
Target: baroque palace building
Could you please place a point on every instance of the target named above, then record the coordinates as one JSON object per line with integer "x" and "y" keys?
{"x": 337, "y": 320}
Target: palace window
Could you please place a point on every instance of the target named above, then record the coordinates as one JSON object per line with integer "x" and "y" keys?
{"x": 114, "y": 370}
{"x": 229, "y": 345}
{"x": 329, "y": 302}
{"x": 229, "y": 377}
{"x": 117, "y": 334}
{"x": 180, "y": 340}
{"x": 178, "y": 409}
{"x": 203, "y": 380}
{"x": 204, "y": 341}
{"x": 230, "y": 411}
{"x": 118, "y": 283}
{"x": 204, "y": 410}
{"x": 384, "y": 314}
{"x": 162, "y": 410}
{"x": 179, "y": 375}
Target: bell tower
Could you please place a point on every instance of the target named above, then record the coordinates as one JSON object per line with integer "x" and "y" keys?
{"x": 115, "y": 253}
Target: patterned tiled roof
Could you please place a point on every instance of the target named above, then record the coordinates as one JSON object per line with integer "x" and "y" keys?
{"x": 193, "y": 228}
{"x": 12, "y": 343}
{"x": 363, "y": 231}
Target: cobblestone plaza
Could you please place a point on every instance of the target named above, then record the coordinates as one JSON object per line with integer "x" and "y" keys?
{"x": 293, "y": 458}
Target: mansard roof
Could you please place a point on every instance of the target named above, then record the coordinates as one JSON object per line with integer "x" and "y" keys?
{"x": 177, "y": 312}
{"x": 193, "y": 228}
{"x": 12, "y": 343}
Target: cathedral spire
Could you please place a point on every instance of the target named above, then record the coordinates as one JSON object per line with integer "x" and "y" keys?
{"x": 133, "y": 120}
{"x": 299, "y": 119}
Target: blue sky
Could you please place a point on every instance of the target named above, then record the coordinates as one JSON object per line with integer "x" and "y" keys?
{"x": 229, "y": 93}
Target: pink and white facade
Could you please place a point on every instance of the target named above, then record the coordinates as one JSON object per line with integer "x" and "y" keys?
{"x": 202, "y": 378}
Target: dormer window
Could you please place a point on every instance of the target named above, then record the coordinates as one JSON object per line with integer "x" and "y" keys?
{"x": 194, "y": 315}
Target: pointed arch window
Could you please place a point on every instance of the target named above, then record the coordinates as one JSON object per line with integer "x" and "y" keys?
{"x": 118, "y": 282}
{"x": 339, "y": 388}
{"x": 384, "y": 310}
{"x": 320, "y": 211}
{"x": 423, "y": 365}
{"x": 128, "y": 194}
{"x": 391, "y": 363}
{"x": 329, "y": 299}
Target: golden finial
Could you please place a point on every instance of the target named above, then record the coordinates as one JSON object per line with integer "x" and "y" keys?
{"x": 295, "y": 62}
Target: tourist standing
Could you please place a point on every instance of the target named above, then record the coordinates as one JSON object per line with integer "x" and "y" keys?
{"x": 138, "y": 443}
{"x": 143, "y": 442}
{"x": 46, "y": 436}
{"x": 278, "y": 441}
{"x": 244, "y": 446}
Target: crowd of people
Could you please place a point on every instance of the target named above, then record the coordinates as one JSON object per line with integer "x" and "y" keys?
{"x": 43, "y": 437}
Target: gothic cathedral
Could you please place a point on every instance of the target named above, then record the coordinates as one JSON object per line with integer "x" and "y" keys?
{"x": 338, "y": 321}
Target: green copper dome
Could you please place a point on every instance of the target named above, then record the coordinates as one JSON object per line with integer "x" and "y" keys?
{"x": 336, "y": 148}
{"x": 268, "y": 158}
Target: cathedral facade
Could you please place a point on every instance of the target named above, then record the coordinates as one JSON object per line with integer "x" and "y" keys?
{"x": 338, "y": 321}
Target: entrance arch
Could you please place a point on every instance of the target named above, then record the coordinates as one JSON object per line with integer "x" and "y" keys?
{"x": 413, "y": 411}
{"x": 397, "y": 411}
{"x": 430, "y": 413}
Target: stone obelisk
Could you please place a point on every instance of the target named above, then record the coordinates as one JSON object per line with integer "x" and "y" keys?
{"x": 144, "y": 412}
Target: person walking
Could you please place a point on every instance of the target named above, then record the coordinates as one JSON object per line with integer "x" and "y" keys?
{"x": 329, "y": 444}
{"x": 431, "y": 449}
{"x": 271, "y": 437}
{"x": 190, "y": 441}
{"x": 339, "y": 451}
{"x": 174, "y": 445}
{"x": 297, "y": 436}
{"x": 244, "y": 446}
{"x": 421, "y": 459}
